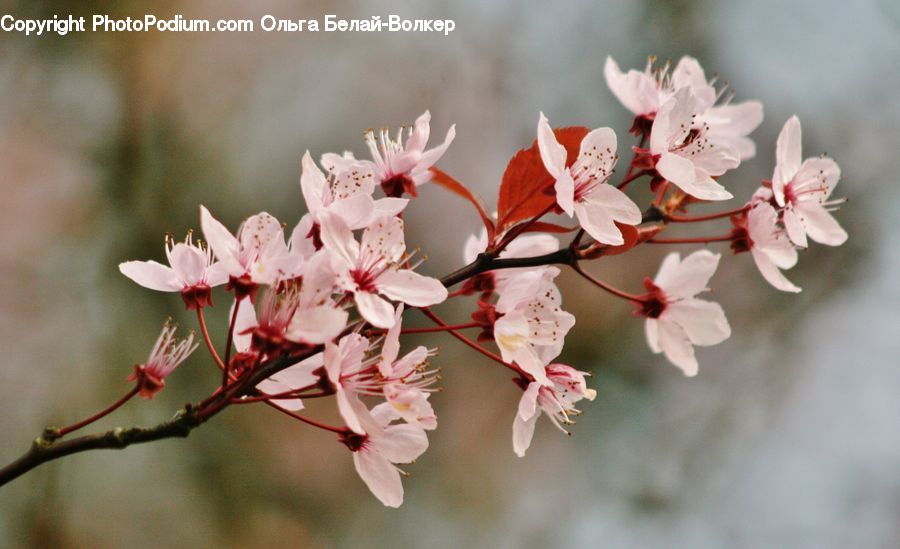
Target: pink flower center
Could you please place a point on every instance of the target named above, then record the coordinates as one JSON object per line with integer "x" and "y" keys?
{"x": 354, "y": 441}
{"x": 396, "y": 185}
{"x": 653, "y": 303}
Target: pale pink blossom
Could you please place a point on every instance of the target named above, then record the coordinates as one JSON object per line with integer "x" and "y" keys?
{"x": 371, "y": 268}
{"x": 802, "y": 188}
{"x": 400, "y": 167}
{"x": 167, "y": 354}
{"x": 252, "y": 258}
{"x": 644, "y": 93}
{"x": 676, "y": 319}
{"x": 406, "y": 378}
{"x": 351, "y": 176}
{"x": 532, "y": 327}
{"x": 685, "y": 152}
{"x": 347, "y": 193}
{"x": 376, "y": 452}
{"x": 582, "y": 189}
{"x": 567, "y": 386}
{"x": 351, "y": 374}
{"x": 770, "y": 247}
{"x": 193, "y": 272}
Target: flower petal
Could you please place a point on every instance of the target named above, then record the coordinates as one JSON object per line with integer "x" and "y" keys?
{"x": 677, "y": 347}
{"x": 704, "y": 322}
{"x": 687, "y": 278}
{"x": 313, "y": 185}
{"x": 402, "y": 443}
{"x": 411, "y": 288}
{"x": 374, "y": 309}
{"x": 553, "y": 154}
{"x": 224, "y": 245}
{"x": 820, "y": 225}
{"x": 152, "y": 275}
{"x": 317, "y": 325}
{"x": 382, "y": 477}
{"x": 788, "y": 152}
{"x": 771, "y": 272}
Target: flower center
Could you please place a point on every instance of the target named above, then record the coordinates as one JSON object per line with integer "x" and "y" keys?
{"x": 354, "y": 441}
{"x": 396, "y": 185}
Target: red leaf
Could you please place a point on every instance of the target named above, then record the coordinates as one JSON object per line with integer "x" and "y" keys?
{"x": 444, "y": 180}
{"x": 632, "y": 236}
{"x": 527, "y": 187}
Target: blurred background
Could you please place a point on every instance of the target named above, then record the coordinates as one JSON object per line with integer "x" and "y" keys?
{"x": 790, "y": 436}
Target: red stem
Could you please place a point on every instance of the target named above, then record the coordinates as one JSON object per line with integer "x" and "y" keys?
{"x": 308, "y": 421}
{"x": 112, "y": 407}
{"x": 229, "y": 342}
{"x": 661, "y": 194}
{"x": 693, "y": 240}
{"x": 707, "y": 217}
{"x": 629, "y": 177}
{"x": 600, "y": 284}
{"x": 209, "y": 344}
{"x": 432, "y": 329}
{"x": 474, "y": 345}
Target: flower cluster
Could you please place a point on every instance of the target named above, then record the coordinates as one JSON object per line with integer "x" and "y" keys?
{"x": 319, "y": 312}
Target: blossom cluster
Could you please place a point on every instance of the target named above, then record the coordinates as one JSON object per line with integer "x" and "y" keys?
{"x": 318, "y": 312}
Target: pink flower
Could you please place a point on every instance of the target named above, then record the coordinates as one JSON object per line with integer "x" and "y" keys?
{"x": 803, "y": 189}
{"x": 566, "y": 387}
{"x": 644, "y": 93}
{"x": 768, "y": 244}
{"x": 252, "y": 258}
{"x": 193, "y": 272}
{"x": 371, "y": 268}
{"x": 351, "y": 374}
{"x": 676, "y": 320}
{"x": 383, "y": 444}
{"x": 400, "y": 167}
{"x": 532, "y": 326}
{"x": 351, "y": 176}
{"x": 582, "y": 189}
{"x": 406, "y": 379}
{"x": 349, "y": 197}
{"x": 685, "y": 151}
{"x": 166, "y": 355}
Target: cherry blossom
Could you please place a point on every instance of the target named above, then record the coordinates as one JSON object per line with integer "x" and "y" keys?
{"x": 167, "y": 354}
{"x": 383, "y": 444}
{"x": 350, "y": 374}
{"x": 532, "y": 326}
{"x": 348, "y": 194}
{"x": 401, "y": 167}
{"x": 567, "y": 386}
{"x": 767, "y": 242}
{"x": 676, "y": 320}
{"x": 582, "y": 189}
{"x": 686, "y": 154}
{"x": 193, "y": 272}
{"x": 406, "y": 378}
{"x": 252, "y": 258}
{"x": 802, "y": 188}
{"x": 371, "y": 268}
{"x": 644, "y": 93}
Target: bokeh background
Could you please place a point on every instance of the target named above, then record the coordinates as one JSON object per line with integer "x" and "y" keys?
{"x": 790, "y": 436}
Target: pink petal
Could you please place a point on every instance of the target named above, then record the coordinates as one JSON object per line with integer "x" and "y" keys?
{"x": 771, "y": 272}
{"x": 523, "y": 432}
{"x": 704, "y": 322}
{"x": 338, "y": 238}
{"x": 313, "y": 185}
{"x": 382, "y": 478}
{"x": 223, "y": 244}
{"x": 383, "y": 241}
{"x": 687, "y": 278}
{"x": 151, "y": 274}
{"x": 552, "y": 153}
{"x": 678, "y": 349}
{"x": 411, "y": 288}
{"x": 402, "y": 443}
{"x": 565, "y": 191}
{"x": 820, "y": 225}
{"x": 374, "y": 309}
{"x": 317, "y": 325}
{"x": 788, "y": 152}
